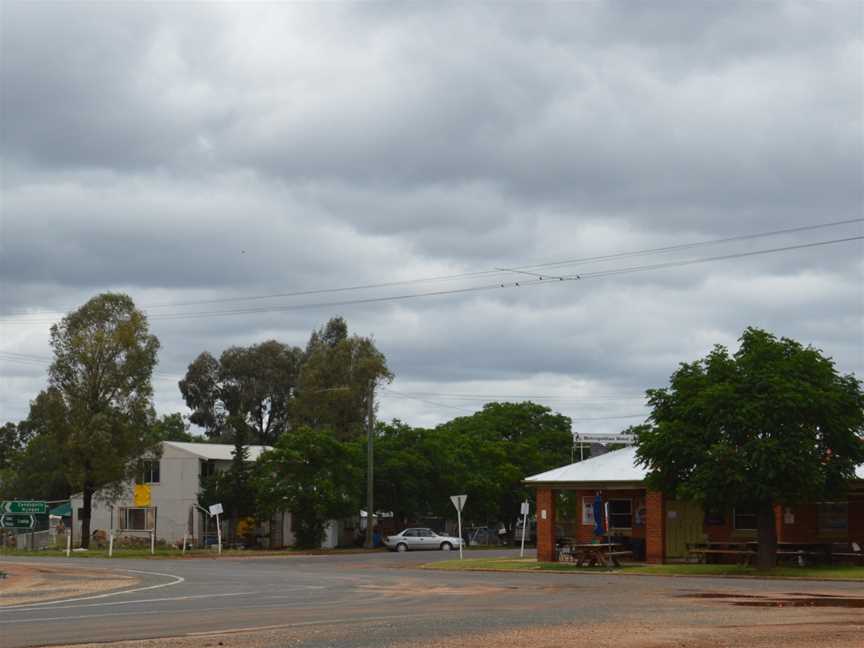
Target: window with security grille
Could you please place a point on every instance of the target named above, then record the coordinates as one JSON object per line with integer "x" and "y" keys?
{"x": 833, "y": 517}
{"x": 620, "y": 514}
{"x": 745, "y": 519}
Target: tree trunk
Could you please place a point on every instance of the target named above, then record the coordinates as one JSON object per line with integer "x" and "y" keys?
{"x": 86, "y": 511}
{"x": 767, "y": 526}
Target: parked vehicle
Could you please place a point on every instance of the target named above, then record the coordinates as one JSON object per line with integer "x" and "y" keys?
{"x": 421, "y": 538}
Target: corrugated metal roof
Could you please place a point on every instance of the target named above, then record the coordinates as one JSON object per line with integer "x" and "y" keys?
{"x": 216, "y": 451}
{"x": 615, "y": 466}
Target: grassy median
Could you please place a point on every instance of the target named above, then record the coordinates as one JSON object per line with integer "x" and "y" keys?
{"x": 530, "y": 564}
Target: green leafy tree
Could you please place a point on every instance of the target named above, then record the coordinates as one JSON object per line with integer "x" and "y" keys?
{"x": 234, "y": 488}
{"x": 490, "y": 452}
{"x": 775, "y": 423}
{"x": 172, "y": 427}
{"x": 33, "y": 465}
{"x": 314, "y": 476}
{"x": 10, "y": 444}
{"x": 485, "y": 455}
{"x": 337, "y": 378}
{"x": 98, "y": 406}
{"x": 405, "y": 469}
{"x": 252, "y": 384}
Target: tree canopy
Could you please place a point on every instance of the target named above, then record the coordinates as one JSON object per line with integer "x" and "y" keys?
{"x": 253, "y": 384}
{"x": 773, "y": 423}
{"x": 337, "y": 377}
{"x": 313, "y": 475}
{"x": 485, "y": 455}
{"x": 98, "y": 406}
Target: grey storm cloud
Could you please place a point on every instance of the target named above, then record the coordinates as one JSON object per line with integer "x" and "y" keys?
{"x": 188, "y": 153}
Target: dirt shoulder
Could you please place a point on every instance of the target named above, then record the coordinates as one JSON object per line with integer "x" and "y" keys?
{"x": 612, "y": 635}
{"x": 31, "y": 583}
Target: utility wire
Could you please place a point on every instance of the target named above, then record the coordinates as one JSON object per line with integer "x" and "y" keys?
{"x": 431, "y": 402}
{"x": 480, "y": 288}
{"x": 498, "y": 271}
{"x": 487, "y": 287}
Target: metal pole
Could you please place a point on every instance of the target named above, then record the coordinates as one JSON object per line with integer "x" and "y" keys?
{"x": 524, "y": 524}
{"x": 219, "y": 533}
{"x": 370, "y": 463}
{"x": 459, "y": 519}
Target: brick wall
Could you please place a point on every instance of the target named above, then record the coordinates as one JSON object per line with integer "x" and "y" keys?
{"x": 545, "y": 527}
{"x": 655, "y": 528}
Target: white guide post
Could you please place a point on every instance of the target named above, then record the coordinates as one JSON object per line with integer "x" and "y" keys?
{"x": 68, "y": 542}
{"x": 153, "y": 542}
{"x": 459, "y": 503}
{"x": 524, "y": 512}
{"x": 110, "y": 543}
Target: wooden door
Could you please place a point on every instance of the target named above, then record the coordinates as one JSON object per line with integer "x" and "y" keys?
{"x": 684, "y": 524}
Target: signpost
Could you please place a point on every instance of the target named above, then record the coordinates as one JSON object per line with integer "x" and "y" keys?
{"x": 17, "y": 521}
{"x": 26, "y": 507}
{"x": 459, "y": 503}
{"x": 215, "y": 511}
{"x": 524, "y": 511}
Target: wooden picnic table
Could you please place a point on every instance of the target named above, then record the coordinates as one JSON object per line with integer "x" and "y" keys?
{"x": 599, "y": 553}
{"x": 705, "y": 551}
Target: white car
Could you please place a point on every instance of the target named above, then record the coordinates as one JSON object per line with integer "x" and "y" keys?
{"x": 421, "y": 538}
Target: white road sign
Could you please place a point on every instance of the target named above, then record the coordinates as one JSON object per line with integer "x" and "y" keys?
{"x": 458, "y": 501}
{"x": 524, "y": 509}
{"x": 215, "y": 509}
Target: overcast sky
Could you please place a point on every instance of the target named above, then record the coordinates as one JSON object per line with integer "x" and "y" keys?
{"x": 189, "y": 152}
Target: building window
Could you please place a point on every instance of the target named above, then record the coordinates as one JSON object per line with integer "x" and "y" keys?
{"x": 148, "y": 472}
{"x": 620, "y": 514}
{"x": 208, "y": 469}
{"x": 588, "y": 511}
{"x": 833, "y": 517}
{"x": 715, "y": 517}
{"x": 744, "y": 519}
{"x": 136, "y": 519}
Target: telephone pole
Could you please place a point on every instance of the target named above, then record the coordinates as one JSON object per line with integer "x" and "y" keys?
{"x": 370, "y": 434}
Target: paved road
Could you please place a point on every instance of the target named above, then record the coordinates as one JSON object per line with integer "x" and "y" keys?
{"x": 389, "y": 597}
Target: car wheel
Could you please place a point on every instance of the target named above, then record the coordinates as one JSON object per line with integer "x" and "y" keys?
{"x": 401, "y": 547}
{"x": 446, "y": 546}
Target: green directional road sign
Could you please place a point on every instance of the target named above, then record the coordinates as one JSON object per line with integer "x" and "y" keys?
{"x": 17, "y": 521}
{"x": 27, "y": 507}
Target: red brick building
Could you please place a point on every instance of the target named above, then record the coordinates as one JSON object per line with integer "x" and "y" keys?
{"x": 565, "y": 499}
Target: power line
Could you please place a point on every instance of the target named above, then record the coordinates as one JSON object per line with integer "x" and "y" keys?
{"x": 582, "y": 418}
{"x": 499, "y": 271}
{"x": 480, "y": 288}
{"x": 558, "y": 397}
{"x": 495, "y": 286}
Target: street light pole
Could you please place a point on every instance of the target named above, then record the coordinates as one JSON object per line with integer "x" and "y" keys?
{"x": 370, "y": 435}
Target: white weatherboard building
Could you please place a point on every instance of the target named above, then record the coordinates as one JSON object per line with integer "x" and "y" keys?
{"x": 165, "y": 495}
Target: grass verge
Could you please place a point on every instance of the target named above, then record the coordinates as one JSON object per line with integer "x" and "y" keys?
{"x": 530, "y": 564}
{"x": 171, "y": 552}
